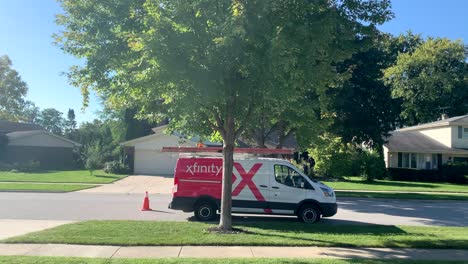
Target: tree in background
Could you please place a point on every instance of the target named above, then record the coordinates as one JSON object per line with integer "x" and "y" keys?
{"x": 209, "y": 65}
{"x": 432, "y": 77}
{"x": 30, "y": 113}
{"x": 51, "y": 120}
{"x": 12, "y": 91}
{"x": 70, "y": 124}
{"x": 93, "y": 158}
{"x": 364, "y": 110}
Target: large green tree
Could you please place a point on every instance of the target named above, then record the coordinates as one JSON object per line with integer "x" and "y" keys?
{"x": 364, "y": 110}
{"x": 430, "y": 78}
{"x": 12, "y": 91}
{"x": 209, "y": 65}
{"x": 30, "y": 113}
{"x": 51, "y": 120}
{"x": 69, "y": 124}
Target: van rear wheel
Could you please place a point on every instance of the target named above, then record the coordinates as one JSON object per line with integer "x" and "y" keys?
{"x": 309, "y": 213}
{"x": 205, "y": 211}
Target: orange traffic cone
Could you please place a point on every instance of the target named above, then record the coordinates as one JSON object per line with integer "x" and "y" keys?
{"x": 146, "y": 204}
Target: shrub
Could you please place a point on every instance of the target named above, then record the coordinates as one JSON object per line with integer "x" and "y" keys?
{"x": 372, "y": 165}
{"x": 93, "y": 159}
{"x": 29, "y": 166}
{"x": 333, "y": 158}
{"x": 454, "y": 173}
{"x": 116, "y": 167}
{"x": 400, "y": 174}
{"x": 6, "y": 166}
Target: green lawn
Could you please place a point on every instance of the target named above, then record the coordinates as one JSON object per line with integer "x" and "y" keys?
{"x": 43, "y": 187}
{"x": 139, "y": 233}
{"x": 77, "y": 176}
{"x": 60, "y": 260}
{"x": 418, "y": 196}
{"x": 356, "y": 183}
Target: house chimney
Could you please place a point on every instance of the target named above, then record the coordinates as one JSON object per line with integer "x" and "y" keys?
{"x": 444, "y": 116}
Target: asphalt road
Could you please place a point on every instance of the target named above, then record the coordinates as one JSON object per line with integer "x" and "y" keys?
{"x": 90, "y": 206}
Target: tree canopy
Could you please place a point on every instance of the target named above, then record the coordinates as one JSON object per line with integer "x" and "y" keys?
{"x": 430, "y": 79}
{"x": 52, "y": 120}
{"x": 211, "y": 66}
{"x": 12, "y": 91}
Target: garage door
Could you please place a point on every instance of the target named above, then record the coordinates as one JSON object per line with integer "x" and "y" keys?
{"x": 151, "y": 162}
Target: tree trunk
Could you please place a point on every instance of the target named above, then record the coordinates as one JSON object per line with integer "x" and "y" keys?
{"x": 225, "y": 222}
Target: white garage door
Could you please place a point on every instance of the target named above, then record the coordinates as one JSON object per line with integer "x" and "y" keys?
{"x": 152, "y": 162}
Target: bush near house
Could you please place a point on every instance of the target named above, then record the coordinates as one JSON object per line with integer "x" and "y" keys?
{"x": 116, "y": 167}
{"x": 453, "y": 173}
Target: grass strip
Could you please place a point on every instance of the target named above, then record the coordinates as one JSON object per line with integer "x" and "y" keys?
{"x": 356, "y": 183}
{"x": 142, "y": 233}
{"x": 60, "y": 260}
{"x": 415, "y": 196}
{"x": 18, "y": 187}
{"x": 74, "y": 176}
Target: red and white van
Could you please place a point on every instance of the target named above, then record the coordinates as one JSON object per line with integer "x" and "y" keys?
{"x": 260, "y": 186}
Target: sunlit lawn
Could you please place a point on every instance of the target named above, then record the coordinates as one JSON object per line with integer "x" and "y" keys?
{"x": 36, "y": 187}
{"x": 73, "y": 176}
{"x": 356, "y": 183}
{"x": 60, "y": 260}
{"x": 290, "y": 233}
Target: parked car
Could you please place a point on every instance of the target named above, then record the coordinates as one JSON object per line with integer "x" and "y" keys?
{"x": 260, "y": 186}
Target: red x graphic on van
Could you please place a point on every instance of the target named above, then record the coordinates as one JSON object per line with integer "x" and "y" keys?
{"x": 247, "y": 180}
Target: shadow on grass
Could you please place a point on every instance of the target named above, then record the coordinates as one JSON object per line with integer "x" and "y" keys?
{"x": 374, "y": 230}
{"x": 108, "y": 176}
{"x": 293, "y": 225}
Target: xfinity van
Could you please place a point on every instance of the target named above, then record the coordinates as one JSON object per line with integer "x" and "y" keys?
{"x": 260, "y": 186}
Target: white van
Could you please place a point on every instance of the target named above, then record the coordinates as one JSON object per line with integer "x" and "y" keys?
{"x": 260, "y": 186}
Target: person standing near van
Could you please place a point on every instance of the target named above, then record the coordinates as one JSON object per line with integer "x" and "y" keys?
{"x": 311, "y": 163}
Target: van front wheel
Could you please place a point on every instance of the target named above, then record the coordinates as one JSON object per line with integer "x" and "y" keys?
{"x": 309, "y": 214}
{"x": 205, "y": 211}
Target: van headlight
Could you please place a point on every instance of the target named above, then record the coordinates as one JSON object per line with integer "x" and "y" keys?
{"x": 327, "y": 192}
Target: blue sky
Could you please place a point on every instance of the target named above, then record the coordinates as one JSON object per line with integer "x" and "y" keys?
{"x": 26, "y": 28}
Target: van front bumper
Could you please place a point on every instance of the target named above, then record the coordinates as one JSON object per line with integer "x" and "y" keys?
{"x": 328, "y": 209}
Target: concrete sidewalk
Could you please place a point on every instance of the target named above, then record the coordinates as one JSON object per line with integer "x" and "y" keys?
{"x": 13, "y": 227}
{"x": 229, "y": 252}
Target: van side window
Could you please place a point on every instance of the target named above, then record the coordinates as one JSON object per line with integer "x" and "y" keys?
{"x": 289, "y": 177}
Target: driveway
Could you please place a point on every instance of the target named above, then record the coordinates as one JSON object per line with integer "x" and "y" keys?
{"x": 136, "y": 184}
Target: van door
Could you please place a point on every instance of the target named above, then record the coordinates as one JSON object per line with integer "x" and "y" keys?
{"x": 288, "y": 189}
{"x": 250, "y": 188}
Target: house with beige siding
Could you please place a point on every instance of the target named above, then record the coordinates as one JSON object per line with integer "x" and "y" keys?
{"x": 429, "y": 145}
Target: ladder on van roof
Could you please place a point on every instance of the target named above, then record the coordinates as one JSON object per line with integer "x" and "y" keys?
{"x": 264, "y": 151}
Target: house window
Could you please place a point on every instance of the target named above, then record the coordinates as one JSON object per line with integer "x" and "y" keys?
{"x": 407, "y": 160}
{"x": 465, "y": 132}
{"x": 434, "y": 161}
{"x": 462, "y": 132}
{"x": 413, "y": 161}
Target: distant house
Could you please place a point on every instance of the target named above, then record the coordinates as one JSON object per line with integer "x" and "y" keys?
{"x": 145, "y": 156}
{"x": 429, "y": 145}
{"x": 30, "y": 142}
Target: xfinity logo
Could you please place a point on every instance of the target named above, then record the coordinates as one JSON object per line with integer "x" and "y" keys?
{"x": 195, "y": 168}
